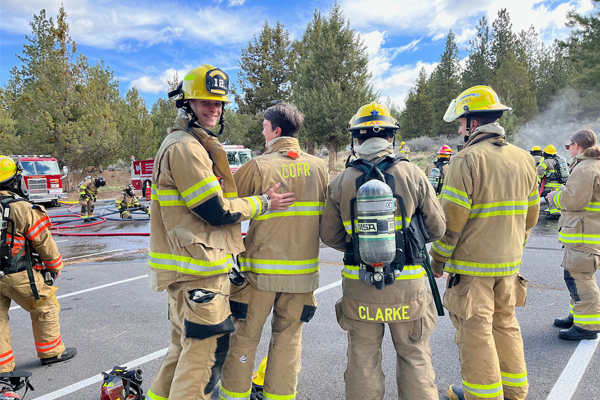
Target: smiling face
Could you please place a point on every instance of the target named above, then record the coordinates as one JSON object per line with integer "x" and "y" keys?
{"x": 208, "y": 112}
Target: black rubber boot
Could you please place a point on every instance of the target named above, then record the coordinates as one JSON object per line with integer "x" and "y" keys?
{"x": 455, "y": 392}
{"x": 576, "y": 333}
{"x": 552, "y": 216}
{"x": 69, "y": 353}
{"x": 564, "y": 323}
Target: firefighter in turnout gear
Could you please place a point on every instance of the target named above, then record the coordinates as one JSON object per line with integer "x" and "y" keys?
{"x": 491, "y": 202}
{"x": 129, "y": 202}
{"x": 436, "y": 178}
{"x": 404, "y": 303}
{"x": 88, "y": 192}
{"x": 279, "y": 277}
{"x": 196, "y": 227}
{"x": 549, "y": 178}
{"x": 536, "y": 153}
{"x": 579, "y": 202}
{"x": 404, "y": 150}
{"x": 29, "y": 259}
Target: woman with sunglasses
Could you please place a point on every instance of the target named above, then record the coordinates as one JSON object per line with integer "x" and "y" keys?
{"x": 579, "y": 203}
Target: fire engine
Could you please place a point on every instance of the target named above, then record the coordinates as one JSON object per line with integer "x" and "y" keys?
{"x": 42, "y": 178}
{"x": 141, "y": 170}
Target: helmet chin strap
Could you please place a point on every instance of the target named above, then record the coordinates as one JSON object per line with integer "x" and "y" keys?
{"x": 468, "y": 129}
{"x": 194, "y": 120}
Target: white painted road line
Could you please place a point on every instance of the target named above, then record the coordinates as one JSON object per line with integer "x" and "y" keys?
{"x": 132, "y": 364}
{"x": 60, "y": 241}
{"x": 91, "y": 255}
{"x": 567, "y": 382}
{"x": 91, "y": 289}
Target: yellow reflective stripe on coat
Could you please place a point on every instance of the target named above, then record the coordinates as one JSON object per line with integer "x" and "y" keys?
{"x": 257, "y": 205}
{"x": 482, "y": 269}
{"x": 189, "y": 265}
{"x": 442, "y": 248}
{"x": 515, "y": 380}
{"x": 200, "y": 190}
{"x": 592, "y": 206}
{"x": 483, "y": 391}
{"x": 228, "y": 395}
{"x": 456, "y": 196}
{"x": 166, "y": 198}
{"x": 269, "y": 396}
{"x": 534, "y": 198}
{"x": 409, "y": 272}
{"x": 348, "y": 227}
{"x": 279, "y": 267}
{"x": 578, "y": 238}
{"x": 499, "y": 208}
{"x": 230, "y": 195}
{"x": 155, "y": 396}
{"x": 593, "y": 319}
{"x": 298, "y": 209}
{"x": 556, "y": 199}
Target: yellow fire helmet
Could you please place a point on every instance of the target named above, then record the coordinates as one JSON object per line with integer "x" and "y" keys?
{"x": 536, "y": 148}
{"x": 550, "y": 149}
{"x": 402, "y": 144}
{"x": 373, "y": 120}
{"x": 475, "y": 100}
{"x": 205, "y": 83}
{"x": 258, "y": 378}
{"x": 8, "y": 169}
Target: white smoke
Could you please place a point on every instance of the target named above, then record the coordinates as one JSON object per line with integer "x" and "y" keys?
{"x": 556, "y": 124}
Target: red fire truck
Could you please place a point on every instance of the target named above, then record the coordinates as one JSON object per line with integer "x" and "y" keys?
{"x": 43, "y": 178}
{"x": 141, "y": 170}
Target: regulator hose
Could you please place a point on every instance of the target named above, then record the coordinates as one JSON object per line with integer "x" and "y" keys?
{"x": 432, "y": 282}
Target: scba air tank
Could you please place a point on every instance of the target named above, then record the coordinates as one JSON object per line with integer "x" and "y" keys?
{"x": 434, "y": 178}
{"x": 376, "y": 208}
{"x": 563, "y": 169}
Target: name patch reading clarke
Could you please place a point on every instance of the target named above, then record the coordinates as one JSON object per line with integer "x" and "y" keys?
{"x": 384, "y": 314}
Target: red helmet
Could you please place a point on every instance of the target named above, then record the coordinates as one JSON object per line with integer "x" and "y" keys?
{"x": 120, "y": 384}
{"x": 445, "y": 151}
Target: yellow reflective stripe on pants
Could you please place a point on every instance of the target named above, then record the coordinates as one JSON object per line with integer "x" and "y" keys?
{"x": 269, "y": 396}
{"x": 593, "y": 319}
{"x": 227, "y": 395}
{"x": 409, "y": 272}
{"x": 155, "y": 396}
{"x": 571, "y": 311}
{"x": 483, "y": 391}
{"x": 579, "y": 238}
{"x": 189, "y": 265}
{"x": 592, "y": 206}
{"x": 534, "y": 198}
{"x": 279, "y": 267}
{"x": 456, "y": 196}
{"x": 482, "y": 269}
{"x": 299, "y": 208}
{"x": 442, "y": 248}
{"x": 516, "y": 380}
{"x": 499, "y": 208}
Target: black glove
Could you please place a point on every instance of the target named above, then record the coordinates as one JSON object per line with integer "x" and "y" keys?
{"x": 83, "y": 196}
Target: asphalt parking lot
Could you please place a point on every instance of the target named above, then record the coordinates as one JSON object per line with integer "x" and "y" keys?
{"x": 113, "y": 318}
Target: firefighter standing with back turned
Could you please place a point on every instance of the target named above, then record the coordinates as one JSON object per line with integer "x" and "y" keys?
{"x": 579, "y": 202}
{"x": 88, "y": 192}
{"x": 33, "y": 254}
{"x": 129, "y": 202}
{"x": 491, "y": 203}
{"x": 536, "y": 153}
{"x": 549, "y": 176}
{"x": 404, "y": 302}
{"x": 195, "y": 225}
{"x": 436, "y": 178}
{"x": 279, "y": 276}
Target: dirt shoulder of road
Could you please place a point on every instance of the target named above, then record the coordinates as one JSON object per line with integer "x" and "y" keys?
{"x": 115, "y": 183}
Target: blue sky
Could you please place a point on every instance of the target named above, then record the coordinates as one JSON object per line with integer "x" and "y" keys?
{"x": 146, "y": 43}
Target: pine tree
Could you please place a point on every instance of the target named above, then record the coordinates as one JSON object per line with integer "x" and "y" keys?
{"x": 332, "y": 80}
{"x": 445, "y": 86}
{"x": 478, "y": 70}
{"x": 10, "y": 143}
{"x": 139, "y": 135}
{"x": 417, "y": 117}
{"x": 553, "y": 73}
{"x": 164, "y": 112}
{"x": 503, "y": 39}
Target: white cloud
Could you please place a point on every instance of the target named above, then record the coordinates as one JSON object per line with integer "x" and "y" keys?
{"x": 110, "y": 24}
{"x": 400, "y": 80}
{"x": 158, "y": 84}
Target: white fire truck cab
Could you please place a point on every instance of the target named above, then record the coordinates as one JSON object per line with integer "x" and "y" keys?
{"x": 43, "y": 178}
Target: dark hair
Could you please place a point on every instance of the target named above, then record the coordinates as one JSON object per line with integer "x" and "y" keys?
{"x": 586, "y": 139}
{"x": 487, "y": 117}
{"x": 285, "y": 116}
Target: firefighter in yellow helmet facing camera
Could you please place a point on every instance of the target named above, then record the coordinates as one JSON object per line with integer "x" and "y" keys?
{"x": 491, "y": 202}
{"x": 128, "y": 202}
{"x": 195, "y": 224}
{"x": 404, "y": 150}
{"x": 29, "y": 263}
{"x": 383, "y": 283}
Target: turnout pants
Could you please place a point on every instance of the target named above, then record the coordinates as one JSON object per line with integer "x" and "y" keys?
{"x": 200, "y": 327}
{"x": 252, "y": 307}
{"x": 585, "y": 297}
{"x": 414, "y": 369}
{"x": 488, "y": 335}
{"x": 43, "y": 313}
{"x": 87, "y": 208}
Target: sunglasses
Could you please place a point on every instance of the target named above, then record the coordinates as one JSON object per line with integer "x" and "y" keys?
{"x": 569, "y": 145}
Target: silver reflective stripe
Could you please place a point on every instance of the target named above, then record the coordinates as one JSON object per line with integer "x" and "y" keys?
{"x": 438, "y": 248}
{"x": 187, "y": 264}
{"x": 273, "y": 266}
{"x": 191, "y": 197}
{"x": 486, "y": 210}
{"x": 514, "y": 379}
{"x": 493, "y": 389}
{"x": 593, "y": 206}
{"x": 350, "y": 271}
{"x": 292, "y": 210}
{"x": 7, "y": 356}
{"x": 228, "y": 395}
{"x": 483, "y": 269}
